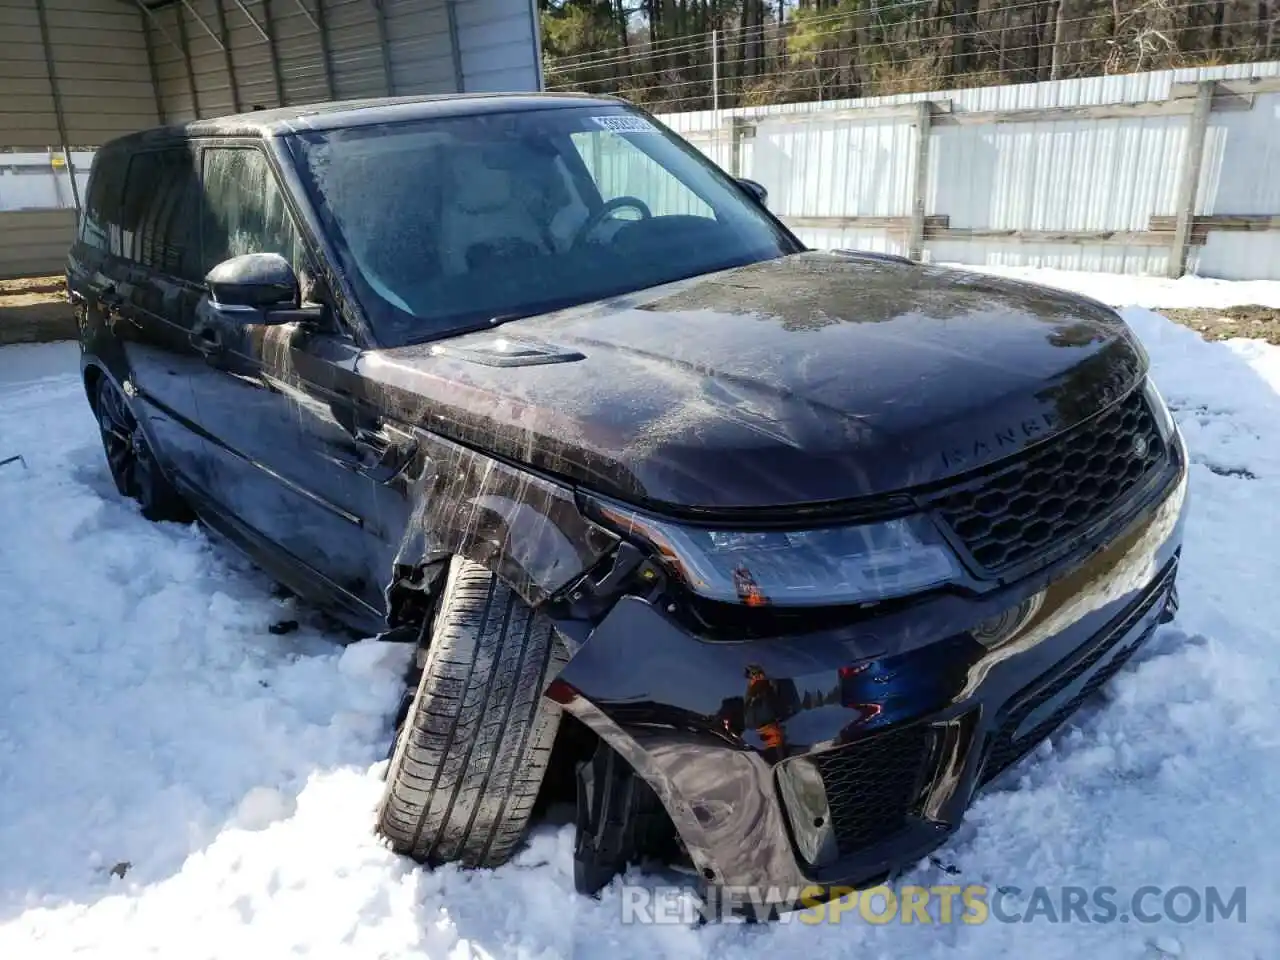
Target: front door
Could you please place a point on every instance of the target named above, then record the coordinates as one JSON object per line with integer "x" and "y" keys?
{"x": 280, "y": 431}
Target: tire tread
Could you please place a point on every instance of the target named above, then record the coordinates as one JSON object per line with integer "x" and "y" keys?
{"x": 475, "y": 746}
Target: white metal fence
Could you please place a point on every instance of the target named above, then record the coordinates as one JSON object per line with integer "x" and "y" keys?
{"x": 39, "y": 180}
{"x": 38, "y": 209}
{"x": 1126, "y": 174}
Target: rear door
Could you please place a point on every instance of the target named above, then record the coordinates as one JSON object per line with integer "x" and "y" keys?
{"x": 94, "y": 266}
{"x": 155, "y": 287}
{"x": 284, "y": 434}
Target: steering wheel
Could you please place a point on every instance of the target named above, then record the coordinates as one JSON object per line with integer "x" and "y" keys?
{"x": 606, "y": 211}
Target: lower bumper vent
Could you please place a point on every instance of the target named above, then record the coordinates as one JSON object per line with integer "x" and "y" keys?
{"x": 872, "y": 785}
{"x": 1005, "y": 750}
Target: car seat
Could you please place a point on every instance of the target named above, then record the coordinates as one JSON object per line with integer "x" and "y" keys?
{"x": 484, "y": 218}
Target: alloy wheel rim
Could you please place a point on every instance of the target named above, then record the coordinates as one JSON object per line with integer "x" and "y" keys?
{"x": 118, "y": 438}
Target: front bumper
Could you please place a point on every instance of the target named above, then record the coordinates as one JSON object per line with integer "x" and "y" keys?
{"x": 839, "y": 757}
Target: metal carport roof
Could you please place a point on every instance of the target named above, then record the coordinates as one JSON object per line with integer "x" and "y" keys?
{"x": 75, "y": 73}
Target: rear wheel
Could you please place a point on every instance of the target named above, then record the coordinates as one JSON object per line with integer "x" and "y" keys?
{"x": 476, "y": 739}
{"x": 129, "y": 458}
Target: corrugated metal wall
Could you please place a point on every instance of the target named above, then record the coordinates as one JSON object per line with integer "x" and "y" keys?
{"x": 498, "y": 45}
{"x": 98, "y": 58}
{"x": 874, "y": 161}
{"x": 72, "y": 73}
{"x": 1060, "y": 175}
{"x": 1241, "y": 174}
{"x": 34, "y": 242}
{"x": 304, "y": 59}
{"x": 39, "y": 179}
{"x": 267, "y": 52}
{"x": 26, "y": 110}
{"x": 79, "y": 72}
{"x": 1069, "y": 176}
{"x": 422, "y": 52}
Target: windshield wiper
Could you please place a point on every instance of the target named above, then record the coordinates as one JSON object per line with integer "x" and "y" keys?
{"x": 501, "y": 318}
{"x": 498, "y": 319}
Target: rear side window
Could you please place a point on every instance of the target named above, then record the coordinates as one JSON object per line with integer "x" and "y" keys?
{"x": 159, "y": 212}
{"x": 245, "y": 210}
{"x": 100, "y": 222}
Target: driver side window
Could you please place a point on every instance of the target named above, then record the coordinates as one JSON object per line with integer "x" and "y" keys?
{"x": 245, "y": 211}
{"x": 621, "y": 169}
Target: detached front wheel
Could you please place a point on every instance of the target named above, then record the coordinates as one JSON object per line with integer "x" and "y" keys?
{"x": 474, "y": 746}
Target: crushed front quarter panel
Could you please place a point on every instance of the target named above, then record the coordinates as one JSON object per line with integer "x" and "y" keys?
{"x": 528, "y": 530}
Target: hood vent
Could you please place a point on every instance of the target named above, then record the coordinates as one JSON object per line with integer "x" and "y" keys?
{"x": 873, "y": 255}
{"x": 508, "y": 352}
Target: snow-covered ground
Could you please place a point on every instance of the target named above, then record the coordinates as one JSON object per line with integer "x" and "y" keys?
{"x": 175, "y": 781}
{"x": 1129, "y": 291}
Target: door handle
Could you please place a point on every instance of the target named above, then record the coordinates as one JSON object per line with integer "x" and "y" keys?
{"x": 206, "y": 340}
{"x": 109, "y": 302}
{"x": 384, "y": 452}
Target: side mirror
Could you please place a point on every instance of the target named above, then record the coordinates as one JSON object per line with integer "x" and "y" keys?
{"x": 254, "y": 281}
{"x": 756, "y": 190}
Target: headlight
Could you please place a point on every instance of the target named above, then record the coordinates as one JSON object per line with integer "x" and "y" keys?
{"x": 1165, "y": 423}
{"x": 837, "y": 565}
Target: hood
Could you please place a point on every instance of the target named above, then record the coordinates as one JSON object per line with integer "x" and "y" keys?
{"x": 809, "y": 379}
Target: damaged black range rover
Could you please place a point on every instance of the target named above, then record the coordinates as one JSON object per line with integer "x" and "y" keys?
{"x": 779, "y": 554}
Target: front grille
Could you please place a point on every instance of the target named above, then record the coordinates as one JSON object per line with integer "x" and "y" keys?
{"x": 1005, "y": 751}
{"x": 872, "y": 785}
{"x": 1009, "y": 517}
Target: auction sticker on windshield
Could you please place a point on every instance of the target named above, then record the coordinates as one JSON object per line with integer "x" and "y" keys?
{"x": 625, "y": 123}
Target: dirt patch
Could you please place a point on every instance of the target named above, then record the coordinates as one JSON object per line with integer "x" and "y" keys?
{"x": 35, "y": 310}
{"x": 1252, "y": 321}
{"x": 32, "y": 285}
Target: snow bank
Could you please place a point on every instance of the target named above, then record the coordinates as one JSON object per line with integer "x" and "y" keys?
{"x": 177, "y": 782}
{"x": 1130, "y": 291}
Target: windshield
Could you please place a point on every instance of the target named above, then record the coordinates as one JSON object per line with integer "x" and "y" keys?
{"x": 447, "y": 224}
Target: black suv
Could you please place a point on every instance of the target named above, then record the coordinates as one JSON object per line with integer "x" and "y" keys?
{"x": 771, "y": 557}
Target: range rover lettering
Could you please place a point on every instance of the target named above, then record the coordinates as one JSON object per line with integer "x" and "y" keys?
{"x": 769, "y": 558}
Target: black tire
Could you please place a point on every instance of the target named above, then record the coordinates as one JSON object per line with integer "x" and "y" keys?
{"x": 476, "y": 740}
{"x": 133, "y": 466}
